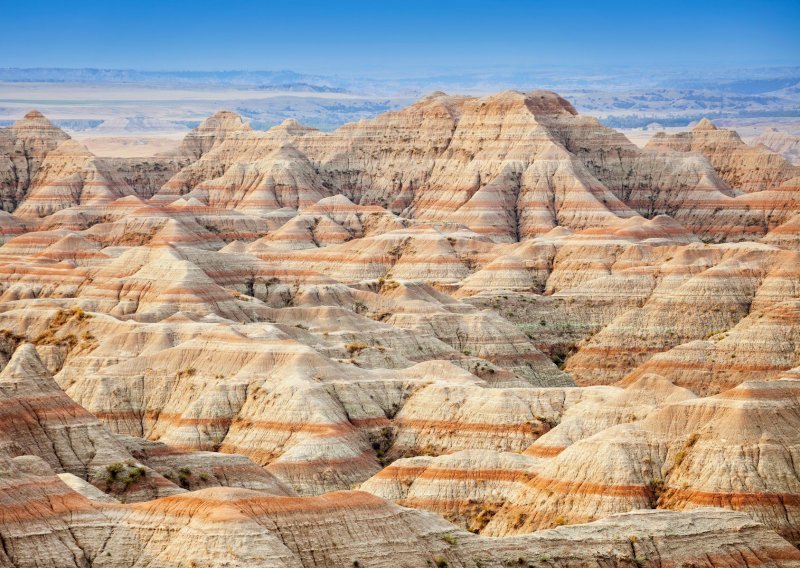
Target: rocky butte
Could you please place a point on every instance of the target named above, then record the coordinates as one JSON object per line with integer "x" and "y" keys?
{"x": 474, "y": 332}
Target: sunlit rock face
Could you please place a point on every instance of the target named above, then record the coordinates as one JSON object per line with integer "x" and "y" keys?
{"x": 361, "y": 347}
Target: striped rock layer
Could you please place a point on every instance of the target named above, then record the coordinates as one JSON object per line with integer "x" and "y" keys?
{"x": 491, "y": 310}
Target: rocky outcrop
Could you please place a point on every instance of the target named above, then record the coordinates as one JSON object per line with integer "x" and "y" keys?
{"x": 211, "y": 132}
{"x": 736, "y": 449}
{"x": 467, "y": 487}
{"x": 43, "y": 171}
{"x": 70, "y": 175}
{"x": 405, "y": 305}
{"x": 747, "y": 279}
{"x": 345, "y": 529}
{"x": 746, "y": 168}
{"x": 146, "y": 175}
{"x": 38, "y": 418}
{"x": 781, "y": 143}
{"x": 510, "y": 166}
{"x": 23, "y": 148}
{"x": 201, "y": 470}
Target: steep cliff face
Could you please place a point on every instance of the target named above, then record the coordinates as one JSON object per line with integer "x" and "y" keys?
{"x": 39, "y": 419}
{"x": 70, "y": 175}
{"x": 746, "y": 168}
{"x": 783, "y": 143}
{"x": 736, "y": 449}
{"x": 211, "y": 132}
{"x": 23, "y": 147}
{"x": 510, "y": 166}
{"x": 43, "y": 171}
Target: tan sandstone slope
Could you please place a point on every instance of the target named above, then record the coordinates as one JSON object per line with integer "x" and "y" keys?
{"x": 303, "y": 348}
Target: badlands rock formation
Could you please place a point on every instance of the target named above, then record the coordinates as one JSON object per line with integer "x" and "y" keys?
{"x": 450, "y": 335}
{"x": 782, "y": 143}
{"x": 748, "y": 168}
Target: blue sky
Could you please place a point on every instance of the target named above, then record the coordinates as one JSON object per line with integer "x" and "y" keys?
{"x": 384, "y": 37}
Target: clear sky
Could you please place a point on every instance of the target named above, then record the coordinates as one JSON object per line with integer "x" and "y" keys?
{"x": 403, "y": 36}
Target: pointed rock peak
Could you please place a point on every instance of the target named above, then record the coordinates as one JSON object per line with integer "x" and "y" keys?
{"x": 501, "y": 103}
{"x": 133, "y": 200}
{"x": 290, "y": 127}
{"x": 553, "y": 151}
{"x": 25, "y": 364}
{"x": 503, "y": 97}
{"x": 183, "y": 317}
{"x": 226, "y": 114}
{"x": 224, "y": 120}
{"x": 234, "y": 247}
{"x": 438, "y": 101}
{"x": 286, "y": 151}
{"x": 173, "y": 227}
{"x": 73, "y": 243}
{"x": 705, "y": 124}
{"x": 335, "y": 200}
{"x": 184, "y": 202}
{"x": 559, "y": 231}
{"x": 70, "y": 147}
{"x": 35, "y": 125}
{"x": 213, "y": 130}
{"x": 176, "y": 233}
{"x": 548, "y": 102}
{"x": 779, "y": 391}
{"x": 658, "y": 386}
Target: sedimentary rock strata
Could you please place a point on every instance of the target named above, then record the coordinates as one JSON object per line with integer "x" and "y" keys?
{"x": 782, "y": 143}
{"x": 303, "y": 348}
{"x": 736, "y": 448}
{"x": 350, "y": 528}
{"x": 39, "y": 419}
{"x": 748, "y": 168}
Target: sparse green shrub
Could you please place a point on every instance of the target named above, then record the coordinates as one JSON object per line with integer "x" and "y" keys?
{"x": 114, "y": 469}
{"x": 184, "y": 473}
{"x": 134, "y": 474}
